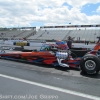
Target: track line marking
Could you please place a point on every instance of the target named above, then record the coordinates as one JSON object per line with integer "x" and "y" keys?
{"x": 52, "y": 87}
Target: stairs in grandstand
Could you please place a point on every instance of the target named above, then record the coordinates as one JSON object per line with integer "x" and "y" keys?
{"x": 20, "y": 33}
{"x": 65, "y": 38}
{"x": 41, "y": 34}
{"x": 30, "y": 34}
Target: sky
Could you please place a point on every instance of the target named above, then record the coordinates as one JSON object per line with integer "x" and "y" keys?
{"x": 36, "y": 13}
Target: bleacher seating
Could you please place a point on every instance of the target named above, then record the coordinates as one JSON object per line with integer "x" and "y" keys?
{"x": 88, "y": 35}
{"x": 16, "y": 33}
{"x": 25, "y": 33}
{"x": 53, "y": 34}
{"x": 50, "y": 34}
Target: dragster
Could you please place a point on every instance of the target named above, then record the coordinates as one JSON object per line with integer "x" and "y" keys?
{"x": 56, "y": 55}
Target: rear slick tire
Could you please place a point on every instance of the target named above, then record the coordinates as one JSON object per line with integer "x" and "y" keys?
{"x": 90, "y": 64}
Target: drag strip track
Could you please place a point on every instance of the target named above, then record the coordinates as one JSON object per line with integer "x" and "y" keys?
{"x": 46, "y": 68}
{"x": 63, "y": 78}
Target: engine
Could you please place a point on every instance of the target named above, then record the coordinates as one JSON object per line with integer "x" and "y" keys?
{"x": 62, "y": 55}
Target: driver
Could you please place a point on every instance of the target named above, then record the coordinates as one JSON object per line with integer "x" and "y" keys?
{"x": 62, "y": 45}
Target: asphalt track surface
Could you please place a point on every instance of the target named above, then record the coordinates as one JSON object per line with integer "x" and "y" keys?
{"x": 40, "y": 82}
{"x": 71, "y": 82}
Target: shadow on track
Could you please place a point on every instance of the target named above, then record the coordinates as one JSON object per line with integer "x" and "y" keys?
{"x": 96, "y": 76}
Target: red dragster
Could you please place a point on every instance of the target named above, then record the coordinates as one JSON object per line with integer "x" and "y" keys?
{"x": 50, "y": 54}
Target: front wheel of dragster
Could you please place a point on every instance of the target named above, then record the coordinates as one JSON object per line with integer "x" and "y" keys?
{"x": 90, "y": 64}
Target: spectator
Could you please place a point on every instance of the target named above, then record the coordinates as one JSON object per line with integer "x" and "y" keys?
{"x": 98, "y": 40}
{"x": 87, "y": 42}
{"x": 69, "y": 42}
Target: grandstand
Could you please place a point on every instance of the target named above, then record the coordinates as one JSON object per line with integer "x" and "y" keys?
{"x": 17, "y": 33}
{"x": 78, "y": 32}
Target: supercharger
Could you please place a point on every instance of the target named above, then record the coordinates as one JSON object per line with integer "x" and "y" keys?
{"x": 62, "y": 56}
